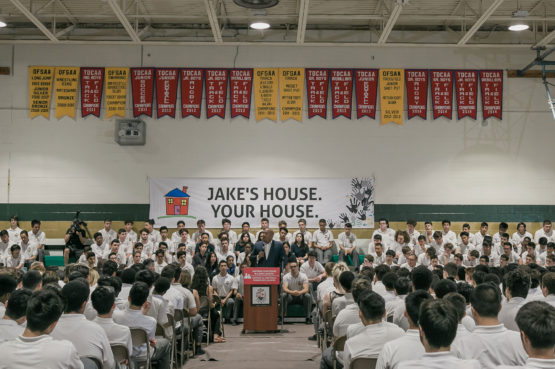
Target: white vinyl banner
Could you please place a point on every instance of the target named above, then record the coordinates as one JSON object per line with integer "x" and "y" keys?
{"x": 337, "y": 200}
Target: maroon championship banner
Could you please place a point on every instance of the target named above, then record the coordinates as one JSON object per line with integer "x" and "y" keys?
{"x": 216, "y": 92}
{"x": 317, "y": 92}
{"x": 92, "y": 80}
{"x": 341, "y": 92}
{"x": 240, "y": 88}
{"x": 466, "y": 88}
{"x": 191, "y": 92}
{"x": 442, "y": 93}
{"x": 366, "y": 87}
{"x": 416, "y": 81}
{"x": 142, "y": 83}
{"x": 166, "y": 91}
{"x": 491, "y": 83}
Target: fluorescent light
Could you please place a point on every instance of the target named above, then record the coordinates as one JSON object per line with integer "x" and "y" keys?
{"x": 259, "y": 25}
{"x": 2, "y": 24}
{"x": 518, "y": 27}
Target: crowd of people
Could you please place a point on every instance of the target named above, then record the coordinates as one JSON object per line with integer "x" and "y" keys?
{"x": 436, "y": 299}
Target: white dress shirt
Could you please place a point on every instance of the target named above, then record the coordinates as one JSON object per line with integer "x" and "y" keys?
{"x": 136, "y": 319}
{"x": 174, "y": 297}
{"x": 322, "y": 238}
{"x": 188, "y": 297}
{"x": 312, "y": 271}
{"x": 223, "y": 284}
{"x": 116, "y": 333}
{"x": 517, "y": 237}
{"x": 403, "y": 348}
{"x": 449, "y": 237}
{"x": 295, "y": 284}
{"x": 387, "y": 238}
{"x": 550, "y": 299}
{"x": 370, "y": 342}
{"x": 347, "y": 242}
{"x": 9, "y": 330}
{"x": 440, "y": 360}
{"x": 324, "y": 287}
{"x": 88, "y": 337}
{"x": 341, "y": 302}
{"x": 397, "y": 302}
{"x": 533, "y": 363}
{"x": 38, "y": 239}
{"x": 508, "y": 312}
{"x": 344, "y": 319}
{"x": 39, "y": 352}
{"x": 539, "y": 234}
{"x": 462, "y": 332}
{"x": 107, "y": 237}
{"x": 379, "y": 288}
{"x": 492, "y": 346}
{"x": 15, "y": 235}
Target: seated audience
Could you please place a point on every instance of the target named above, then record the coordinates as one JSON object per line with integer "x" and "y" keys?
{"x": 295, "y": 290}
{"x": 12, "y": 324}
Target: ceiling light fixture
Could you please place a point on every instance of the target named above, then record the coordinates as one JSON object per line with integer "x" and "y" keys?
{"x": 259, "y": 25}
{"x": 2, "y": 24}
{"x": 518, "y": 24}
{"x": 518, "y": 27}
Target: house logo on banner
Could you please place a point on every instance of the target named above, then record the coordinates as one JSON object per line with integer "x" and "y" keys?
{"x": 337, "y": 200}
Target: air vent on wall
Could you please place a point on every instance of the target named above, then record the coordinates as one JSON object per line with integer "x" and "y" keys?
{"x": 256, "y": 4}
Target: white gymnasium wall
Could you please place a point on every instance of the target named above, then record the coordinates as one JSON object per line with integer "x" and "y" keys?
{"x": 427, "y": 162}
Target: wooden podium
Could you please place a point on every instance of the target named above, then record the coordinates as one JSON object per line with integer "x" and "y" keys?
{"x": 260, "y": 308}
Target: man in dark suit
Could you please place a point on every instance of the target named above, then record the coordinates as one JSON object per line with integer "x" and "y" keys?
{"x": 267, "y": 253}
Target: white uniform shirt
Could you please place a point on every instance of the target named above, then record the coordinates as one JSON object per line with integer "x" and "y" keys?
{"x": 449, "y": 237}
{"x": 479, "y": 239}
{"x": 341, "y": 303}
{"x": 492, "y": 345}
{"x": 323, "y": 288}
{"x": 533, "y": 363}
{"x": 470, "y": 263}
{"x": 439, "y": 360}
{"x": 508, "y": 312}
{"x": 38, "y": 239}
{"x": 387, "y": 239}
{"x": 322, "y": 238}
{"x": 189, "y": 302}
{"x": 196, "y": 236}
{"x": 378, "y": 260}
{"x": 12, "y": 262}
{"x": 116, "y": 333}
{"x": 462, "y": 332}
{"x": 346, "y": 317}
{"x": 135, "y": 318}
{"x": 379, "y": 288}
{"x": 42, "y": 351}
{"x": 370, "y": 342}
{"x": 15, "y": 236}
{"x": 398, "y": 302}
{"x": 407, "y": 347}
{"x": 107, "y": 237}
{"x": 222, "y": 285}
{"x": 131, "y": 236}
{"x": 349, "y": 241}
{"x": 539, "y": 234}
{"x": 88, "y": 337}
{"x": 312, "y": 272}
{"x": 517, "y": 237}
{"x": 155, "y": 236}
{"x": 413, "y": 238}
{"x": 174, "y": 297}
{"x": 9, "y": 330}
{"x": 295, "y": 284}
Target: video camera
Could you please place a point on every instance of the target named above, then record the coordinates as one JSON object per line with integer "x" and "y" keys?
{"x": 77, "y": 222}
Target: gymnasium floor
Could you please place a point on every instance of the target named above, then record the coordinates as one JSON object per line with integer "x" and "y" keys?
{"x": 261, "y": 350}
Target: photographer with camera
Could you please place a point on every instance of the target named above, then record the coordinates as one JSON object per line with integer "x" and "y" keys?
{"x": 75, "y": 239}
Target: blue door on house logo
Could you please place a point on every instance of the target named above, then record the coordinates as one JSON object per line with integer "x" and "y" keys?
{"x": 177, "y": 209}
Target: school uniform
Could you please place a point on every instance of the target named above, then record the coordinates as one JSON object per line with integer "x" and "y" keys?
{"x": 508, "y": 312}
{"x": 116, "y": 333}
{"x": 388, "y": 236}
{"x": 323, "y": 239}
{"x": 9, "y": 330}
{"x": 439, "y": 360}
{"x": 196, "y": 236}
{"x": 15, "y": 235}
{"x": 462, "y": 332}
{"x": 518, "y": 238}
{"x": 407, "y": 347}
{"x": 539, "y": 234}
{"x": 107, "y": 237}
{"x": 449, "y": 237}
{"x": 307, "y": 236}
{"x": 533, "y": 363}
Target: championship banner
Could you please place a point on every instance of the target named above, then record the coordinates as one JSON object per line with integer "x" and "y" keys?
{"x": 491, "y": 83}
{"x": 66, "y": 81}
{"x": 166, "y": 91}
{"x": 216, "y": 92}
{"x": 191, "y": 92}
{"x": 366, "y": 87}
{"x": 466, "y": 88}
{"x": 338, "y": 200}
{"x": 142, "y": 83}
{"x": 417, "y": 93}
{"x": 392, "y": 93}
{"x": 266, "y": 93}
{"x": 40, "y": 90}
{"x": 116, "y": 91}
{"x": 442, "y": 93}
{"x": 341, "y": 92}
{"x": 240, "y": 91}
{"x": 291, "y": 83}
{"x": 317, "y": 92}
{"x": 92, "y": 80}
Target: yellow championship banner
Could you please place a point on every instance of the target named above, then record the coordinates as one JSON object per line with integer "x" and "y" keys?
{"x": 116, "y": 91}
{"x": 266, "y": 93}
{"x": 392, "y": 87}
{"x": 291, "y": 82}
{"x": 40, "y": 90}
{"x": 66, "y": 80}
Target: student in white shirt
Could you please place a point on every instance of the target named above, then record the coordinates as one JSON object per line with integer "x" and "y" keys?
{"x": 438, "y": 327}
{"x": 29, "y": 250}
{"x": 490, "y": 342}
{"x": 421, "y": 247}
{"x": 402, "y": 288}
{"x": 379, "y": 255}
{"x": 425, "y": 258}
{"x": 89, "y": 339}
{"x": 387, "y": 234}
{"x": 45, "y": 308}
{"x": 411, "y": 262}
{"x": 496, "y": 239}
{"x": 464, "y": 245}
{"x": 412, "y": 232}
{"x": 103, "y": 301}
{"x": 14, "y": 231}
{"x": 160, "y": 261}
{"x": 479, "y": 236}
{"x": 147, "y": 244}
{"x": 175, "y": 235}
{"x": 295, "y": 289}
{"x": 376, "y": 333}
{"x": 378, "y": 286}
{"x": 516, "y": 285}
{"x": 323, "y": 242}
{"x": 131, "y": 235}
{"x": 536, "y": 323}
{"x": 548, "y": 287}
{"x": 108, "y": 234}
{"x": 12, "y": 324}
{"x": 471, "y": 259}
{"x": 492, "y": 256}
{"x": 14, "y": 258}
{"x": 225, "y": 286}
{"x": 546, "y": 231}
{"x": 4, "y": 243}
{"x": 246, "y": 228}
{"x": 201, "y": 228}
{"x": 508, "y": 251}
{"x": 447, "y": 234}
{"x": 407, "y": 347}
{"x": 520, "y": 233}
{"x": 306, "y": 234}
{"x": 153, "y": 234}
{"x": 38, "y": 238}
{"x": 231, "y": 234}
{"x": 459, "y": 303}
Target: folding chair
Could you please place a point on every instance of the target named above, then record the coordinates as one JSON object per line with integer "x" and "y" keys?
{"x": 205, "y": 303}
{"x": 178, "y": 317}
{"x": 94, "y": 359}
{"x": 173, "y": 352}
{"x": 218, "y": 302}
{"x": 121, "y": 354}
{"x": 190, "y": 337}
{"x": 140, "y": 337}
{"x": 338, "y": 345}
{"x": 328, "y": 328}
{"x": 363, "y": 363}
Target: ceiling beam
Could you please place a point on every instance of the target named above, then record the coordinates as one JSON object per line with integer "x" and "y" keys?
{"x": 303, "y": 18}
{"x": 390, "y": 23}
{"x": 476, "y": 26}
{"x": 123, "y": 20}
{"x": 34, "y": 20}
{"x": 70, "y": 16}
{"x": 65, "y": 30}
{"x": 214, "y": 23}
{"x": 536, "y": 7}
{"x": 547, "y": 39}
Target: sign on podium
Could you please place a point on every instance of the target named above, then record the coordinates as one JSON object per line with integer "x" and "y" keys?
{"x": 261, "y": 299}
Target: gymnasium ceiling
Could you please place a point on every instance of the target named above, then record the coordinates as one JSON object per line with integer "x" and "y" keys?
{"x": 441, "y": 23}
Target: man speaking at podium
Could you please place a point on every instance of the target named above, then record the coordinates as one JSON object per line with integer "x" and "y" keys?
{"x": 267, "y": 253}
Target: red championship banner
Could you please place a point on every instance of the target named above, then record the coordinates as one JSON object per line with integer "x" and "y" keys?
{"x": 240, "y": 88}
{"x": 142, "y": 83}
{"x": 417, "y": 92}
{"x": 92, "y": 80}
{"x": 166, "y": 91}
{"x": 341, "y": 92}
{"x": 191, "y": 92}
{"x": 366, "y": 82}
{"x": 466, "y": 88}
{"x": 317, "y": 92}
{"x": 216, "y": 92}
{"x": 442, "y": 93}
{"x": 491, "y": 83}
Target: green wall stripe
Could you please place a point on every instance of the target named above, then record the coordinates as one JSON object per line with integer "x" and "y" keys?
{"x": 393, "y": 212}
